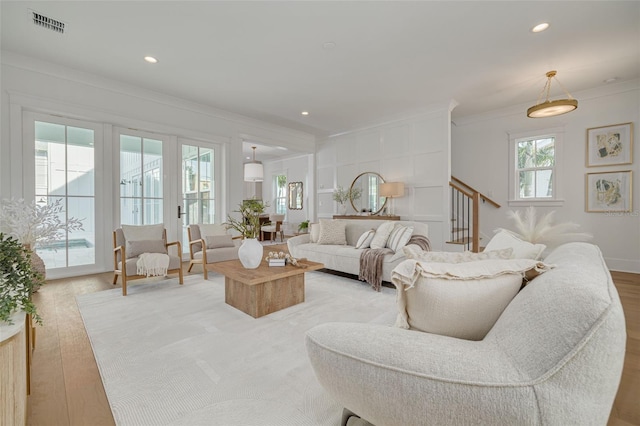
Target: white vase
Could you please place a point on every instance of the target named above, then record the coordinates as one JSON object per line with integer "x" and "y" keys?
{"x": 343, "y": 209}
{"x": 250, "y": 253}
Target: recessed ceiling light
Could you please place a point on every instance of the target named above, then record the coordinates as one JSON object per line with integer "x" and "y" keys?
{"x": 328, "y": 45}
{"x": 305, "y": 113}
{"x": 540, "y": 27}
{"x": 610, "y": 80}
{"x": 151, "y": 59}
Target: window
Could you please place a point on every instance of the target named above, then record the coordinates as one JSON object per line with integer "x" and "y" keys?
{"x": 534, "y": 164}
{"x": 280, "y": 183}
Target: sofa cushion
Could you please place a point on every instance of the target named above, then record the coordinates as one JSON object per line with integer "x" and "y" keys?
{"x": 399, "y": 237}
{"x": 136, "y": 248}
{"x": 462, "y": 300}
{"x": 365, "y": 239}
{"x": 218, "y": 241}
{"x": 382, "y": 234}
{"x": 521, "y": 249}
{"x": 332, "y": 232}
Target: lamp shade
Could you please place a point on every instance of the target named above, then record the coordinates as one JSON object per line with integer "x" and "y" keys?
{"x": 253, "y": 172}
{"x": 392, "y": 189}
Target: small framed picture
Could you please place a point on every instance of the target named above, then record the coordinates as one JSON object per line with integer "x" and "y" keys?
{"x": 609, "y": 192}
{"x": 610, "y": 145}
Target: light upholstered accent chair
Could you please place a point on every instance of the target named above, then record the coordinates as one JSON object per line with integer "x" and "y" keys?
{"x": 210, "y": 243}
{"x": 274, "y": 228}
{"x": 129, "y": 243}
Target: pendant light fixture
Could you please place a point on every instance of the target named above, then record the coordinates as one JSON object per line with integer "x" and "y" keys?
{"x": 550, "y": 108}
{"x": 253, "y": 171}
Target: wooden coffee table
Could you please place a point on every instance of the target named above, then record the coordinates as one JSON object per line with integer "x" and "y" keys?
{"x": 263, "y": 290}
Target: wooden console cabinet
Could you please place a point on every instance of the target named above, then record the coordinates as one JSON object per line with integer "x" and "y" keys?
{"x": 15, "y": 351}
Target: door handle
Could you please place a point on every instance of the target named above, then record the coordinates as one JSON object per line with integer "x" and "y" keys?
{"x": 180, "y": 213}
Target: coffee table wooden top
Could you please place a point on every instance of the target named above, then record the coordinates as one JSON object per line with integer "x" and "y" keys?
{"x": 233, "y": 269}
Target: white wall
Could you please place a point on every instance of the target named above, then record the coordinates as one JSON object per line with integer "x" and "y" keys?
{"x": 480, "y": 158}
{"x": 32, "y": 85}
{"x": 296, "y": 169}
{"x": 415, "y": 151}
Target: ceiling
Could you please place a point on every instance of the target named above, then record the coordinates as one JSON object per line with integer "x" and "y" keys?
{"x": 348, "y": 63}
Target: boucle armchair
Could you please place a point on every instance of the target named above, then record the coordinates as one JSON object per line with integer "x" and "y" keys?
{"x": 554, "y": 357}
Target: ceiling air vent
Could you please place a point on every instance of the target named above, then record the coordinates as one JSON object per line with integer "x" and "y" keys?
{"x": 48, "y": 23}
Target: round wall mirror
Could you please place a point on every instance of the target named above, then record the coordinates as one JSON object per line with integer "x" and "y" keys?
{"x": 367, "y": 184}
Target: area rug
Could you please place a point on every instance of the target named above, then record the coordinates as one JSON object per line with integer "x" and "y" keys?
{"x": 178, "y": 355}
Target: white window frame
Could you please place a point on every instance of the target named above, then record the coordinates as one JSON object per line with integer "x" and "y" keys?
{"x": 514, "y": 193}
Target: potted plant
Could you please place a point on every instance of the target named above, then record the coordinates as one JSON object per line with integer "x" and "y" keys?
{"x": 304, "y": 226}
{"x": 250, "y": 252}
{"x": 342, "y": 195}
{"x": 35, "y": 224}
{"x": 18, "y": 279}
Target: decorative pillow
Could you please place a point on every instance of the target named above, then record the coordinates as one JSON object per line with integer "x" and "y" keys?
{"x": 365, "y": 239}
{"x": 143, "y": 232}
{"x": 461, "y": 300}
{"x": 210, "y": 229}
{"x": 382, "y": 234}
{"x": 136, "y": 248}
{"x": 218, "y": 241}
{"x": 332, "y": 232}
{"x": 399, "y": 237}
{"x": 314, "y": 232}
{"x": 412, "y": 251}
{"x": 521, "y": 249}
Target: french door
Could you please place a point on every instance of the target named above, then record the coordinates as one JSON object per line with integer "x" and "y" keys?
{"x": 64, "y": 169}
{"x": 199, "y": 168}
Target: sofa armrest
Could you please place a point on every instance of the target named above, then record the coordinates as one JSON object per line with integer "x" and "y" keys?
{"x": 293, "y": 242}
{"x": 389, "y": 375}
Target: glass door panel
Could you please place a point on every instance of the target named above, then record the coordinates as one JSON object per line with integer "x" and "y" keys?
{"x": 198, "y": 187}
{"x": 141, "y": 186}
{"x": 65, "y": 171}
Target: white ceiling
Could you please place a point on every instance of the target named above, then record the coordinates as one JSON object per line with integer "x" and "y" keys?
{"x": 267, "y": 60}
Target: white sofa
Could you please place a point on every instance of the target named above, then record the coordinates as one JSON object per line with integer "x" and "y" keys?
{"x": 346, "y": 258}
{"x": 554, "y": 357}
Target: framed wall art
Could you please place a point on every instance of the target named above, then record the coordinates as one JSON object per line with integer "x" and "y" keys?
{"x": 610, "y": 145}
{"x": 609, "y": 192}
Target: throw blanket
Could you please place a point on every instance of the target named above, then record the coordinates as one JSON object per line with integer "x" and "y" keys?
{"x": 153, "y": 264}
{"x": 371, "y": 266}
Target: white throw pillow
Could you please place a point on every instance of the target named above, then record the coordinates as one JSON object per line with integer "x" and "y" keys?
{"x": 521, "y": 249}
{"x": 462, "y": 300}
{"x": 210, "y": 229}
{"x": 218, "y": 241}
{"x": 365, "y": 239}
{"x": 382, "y": 234}
{"x": 399, "y": 237}
{"x": 314, "y": 232}
{"x": 143, "y": 232}
{"x": 412, "y": 251}
{"x": 332, "y": 232}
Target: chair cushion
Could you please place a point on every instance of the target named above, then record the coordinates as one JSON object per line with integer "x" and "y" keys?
{"x": 132, "y": 267}
{"x": 219, "y": 254}
{"x": 136, "y": 248}
{"x": 462, "y": 300}
{"x": 209, "y": 229}
{"x": 143, "y": 232}
{"x": 218, "y": 241}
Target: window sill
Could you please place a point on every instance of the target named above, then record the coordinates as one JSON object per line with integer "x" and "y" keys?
{"x": 536, "y": 202}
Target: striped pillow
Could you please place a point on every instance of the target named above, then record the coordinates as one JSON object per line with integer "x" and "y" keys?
{"x": 399, "y": 237}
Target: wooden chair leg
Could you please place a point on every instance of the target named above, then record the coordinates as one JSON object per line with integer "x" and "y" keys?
{"x": 115, "y": 278}
{"x": 205, "y": 272}
{"x": 190, "y": 266}
{"x": 124, "y": 284}
{"x": 180, "y": 275}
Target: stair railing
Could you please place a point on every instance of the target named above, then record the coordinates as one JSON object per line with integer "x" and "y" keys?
{"x": 465, "y": 214}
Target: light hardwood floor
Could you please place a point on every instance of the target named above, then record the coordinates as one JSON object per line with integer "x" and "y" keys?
{"x": 66, "y": 387}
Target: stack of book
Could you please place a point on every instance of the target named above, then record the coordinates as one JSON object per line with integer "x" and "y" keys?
{"x": 276, "y": 262}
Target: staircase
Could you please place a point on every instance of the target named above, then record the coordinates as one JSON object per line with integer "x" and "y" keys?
{"x": 465, "y": 214}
